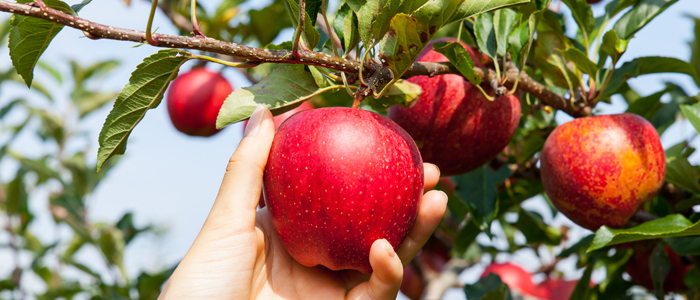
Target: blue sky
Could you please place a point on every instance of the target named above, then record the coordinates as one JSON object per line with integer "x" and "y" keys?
{"x": 170, "y": 179}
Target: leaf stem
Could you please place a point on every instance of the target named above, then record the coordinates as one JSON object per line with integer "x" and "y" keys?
{"x": 331, "y": 33}
{"x": 195, "y": 25}
{"x": 300, "y": 28}
{"x": 151, "y": 39}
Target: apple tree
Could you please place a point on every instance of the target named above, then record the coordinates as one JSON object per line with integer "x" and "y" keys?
{"x": 371, "y": 54}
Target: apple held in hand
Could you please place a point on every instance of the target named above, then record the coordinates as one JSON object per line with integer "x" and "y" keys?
{"x": 336, "y": 180}
{"x": 453, "y": 124}
{"x": 278, "y": 121}
{"x": 599, "y": 170}
{"x": 194, "y": 100}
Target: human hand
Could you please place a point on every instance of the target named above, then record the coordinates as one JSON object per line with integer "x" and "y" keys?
{"x": 238, "y": 255}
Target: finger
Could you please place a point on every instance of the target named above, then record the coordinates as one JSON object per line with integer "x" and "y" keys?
{"x": 385, "y": 281}
{"x": 432, "y": 175}
{"x": 432, "y": 208}
{"x": 240, "y": 189}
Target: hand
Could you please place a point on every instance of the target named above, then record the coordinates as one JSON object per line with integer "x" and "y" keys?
{"x": 238, "y": 255}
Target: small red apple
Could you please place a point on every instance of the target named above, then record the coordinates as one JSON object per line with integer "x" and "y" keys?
{"x": 640, "y": 271}
{"x": 431, "y": 259}
{"x": 453, "y": 124}
{"x": 557, "y": 289}
{"x": 599, "y": 170}
{"x": 194, "y": 100}
{"x": 278, "y": 121}
{"x": 412, "y": 285}
{"x": 517, "y": 279}
{"x": 336, "y": 180}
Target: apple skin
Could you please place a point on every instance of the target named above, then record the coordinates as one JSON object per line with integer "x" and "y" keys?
{"x": 517, "y": 279}
{"x": 336, "y": 180}
{"x": 412, "y": 285}
{"x": 432, "y": 259}
{"x": 278, "y": 121}
{"x": 454, "y": 125}
{"x": 194, "y": 100}
{"x": 598, "y": 170}
{"x": 640, "y": 271}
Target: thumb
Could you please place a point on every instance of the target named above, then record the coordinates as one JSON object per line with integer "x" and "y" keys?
{"x": 240, "y": 189}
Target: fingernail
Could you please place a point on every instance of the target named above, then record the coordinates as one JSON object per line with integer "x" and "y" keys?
{"x": 254, "y": 121}
{"x": 389, "y": 249}
{"x": 445, "y": 194}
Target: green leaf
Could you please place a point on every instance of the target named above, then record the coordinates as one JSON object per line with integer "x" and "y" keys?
{"x": 608, "y": 47}
{"x": 489, "y": 287}
{"x": 536, "y": 230}
{"x": 465, "y": 237}
{"x": 51, "y": 70}
{"x": 70, "y": 209}
{"x": 583, "y": 15}
{"x": 92, "y": 101}
{"x": 687, "y": 245}
{"x": 310, "y": 33}
{"x": 695, "y": 48}
{"x": 470, "y": 8}
{"x": 648, "y": 65}
{"x": 433, "y": 14}
{"x": 282, "y": 90}
{"x": 485, "y": 34}
{"x": 112, "y": 244}
{"x": 679, "y": 171}
{"x": 614, "y": 286}
{"x": 402, "y": 93}
{"x": 260, "y": 25}
{"x": 692, "y": 113}
{"x": 17, "y": 199}
{"x": 149, "y": 285}
{"x": 144, "y": 91}
{"x": 583, "y": 287}
{"x": 459, "y": 57}
{"x": 581, "y": 61}
{"x": 659, "y": 266}
{"x": 345, "y": 25}
{"x": 402, "y": 44}
{"x": 639, "y": 16}
{"x": 127, "y": 227}
{"x": 478, "y": 189}
{"x": 78, "y": 7}
{"x": 504, "y": 21}
{"x": 29, "y": 38}
{"x": 577, "y": 248}
{"x": 670, "y": 226}
{"x": 647, "y": 106}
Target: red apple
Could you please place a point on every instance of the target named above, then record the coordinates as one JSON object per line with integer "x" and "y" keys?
{"x": 453, "y": 124}
{"x": 278, "y": 121}
{"x": 599, "y": 170}
{"x": 517, "y": 279}
{"x": 557, "y": 289}
{"x": 639, "y": 269}
{"x": 336, "y": 180}
{"x": 412, "y": 285}
{"x": 194, "y": 101}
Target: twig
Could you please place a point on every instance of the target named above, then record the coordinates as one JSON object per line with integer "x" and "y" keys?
{"x": 253, "y": 55}
{"x": 448, "y": 278}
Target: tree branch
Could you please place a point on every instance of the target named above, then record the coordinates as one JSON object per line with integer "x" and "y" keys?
{"x": 96, "y": 31}
{"x": 448, "y": 278}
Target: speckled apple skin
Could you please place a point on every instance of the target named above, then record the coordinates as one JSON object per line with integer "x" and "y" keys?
{"x": 453, "y": 124}
{"x": 599, "y": 170}
{"x": 194, "y": 100}
{"x": 336, "y": 180}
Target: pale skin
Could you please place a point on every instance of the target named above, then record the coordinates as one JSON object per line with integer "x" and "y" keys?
{"x": 238, "y": 255}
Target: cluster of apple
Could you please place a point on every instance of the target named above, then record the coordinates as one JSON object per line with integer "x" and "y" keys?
{"x": 338, "y": 178}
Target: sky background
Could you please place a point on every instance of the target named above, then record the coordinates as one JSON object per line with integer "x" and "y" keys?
{"x": 170, "y": 180}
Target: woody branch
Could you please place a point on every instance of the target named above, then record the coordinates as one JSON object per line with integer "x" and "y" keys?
{"x": 255, "y": 55}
